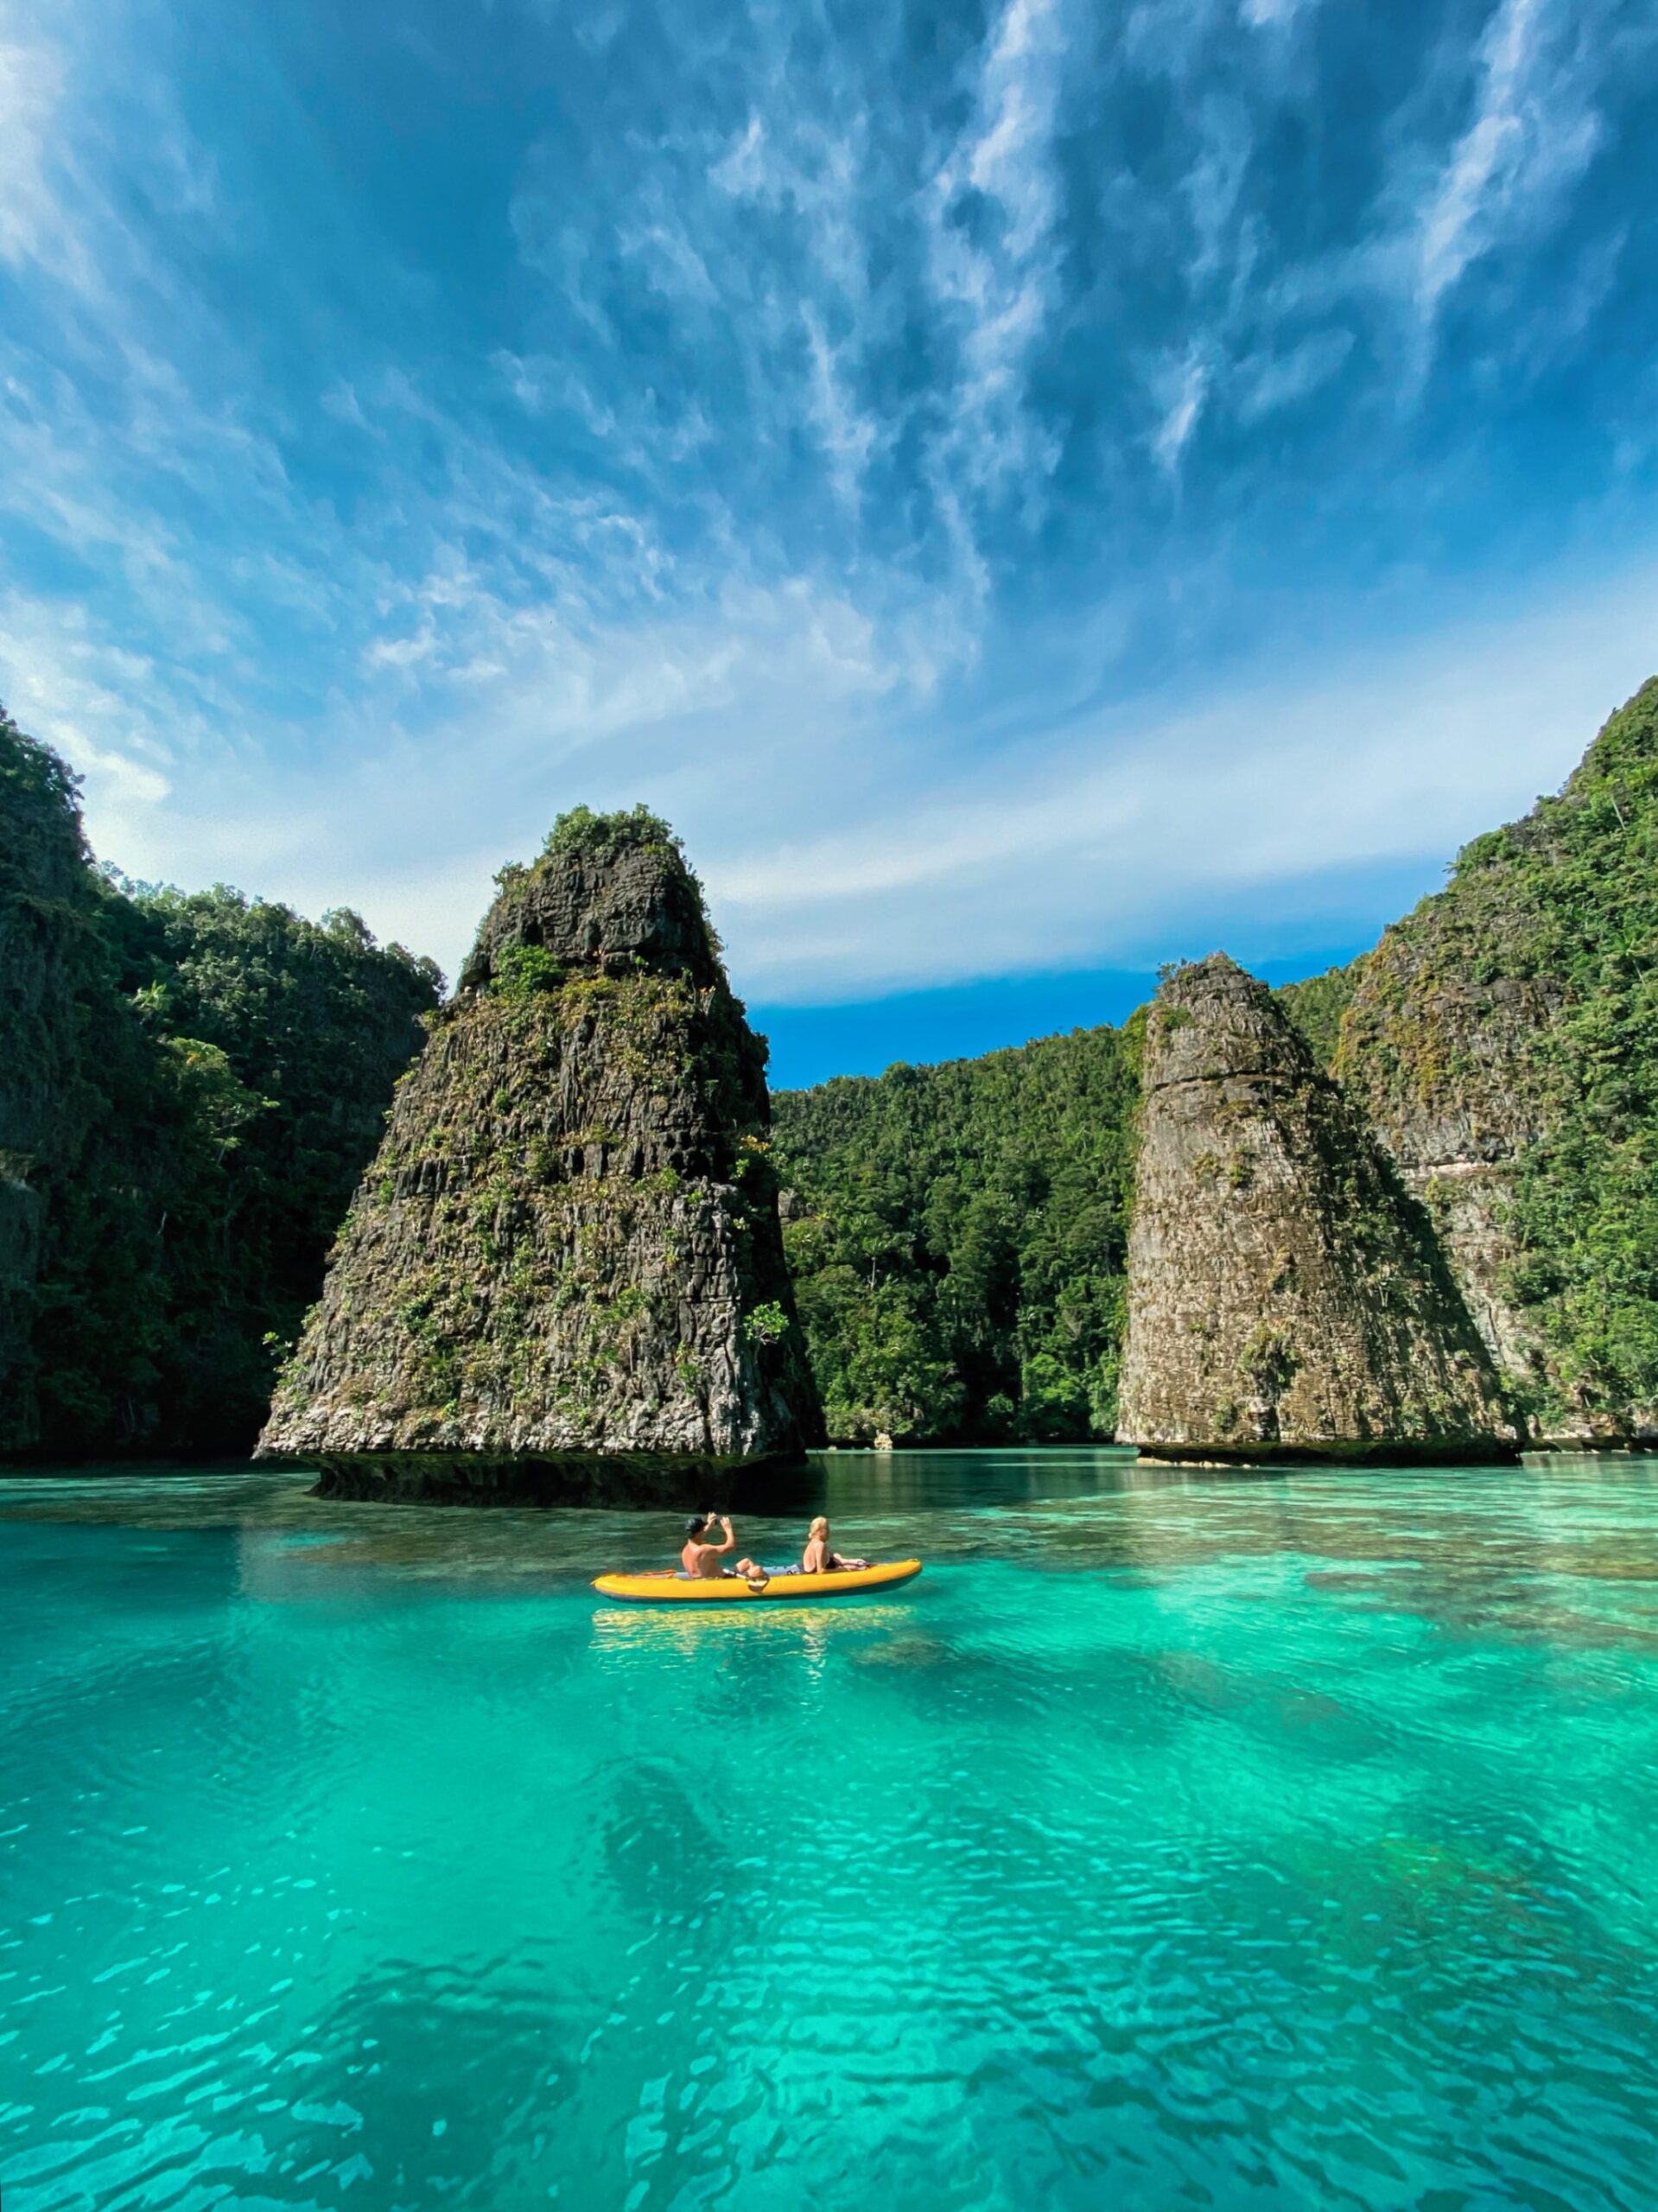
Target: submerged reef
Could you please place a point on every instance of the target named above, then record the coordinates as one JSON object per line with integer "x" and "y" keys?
{"x": 562, "y": 1274}
{"x": 1286, "y": 1298}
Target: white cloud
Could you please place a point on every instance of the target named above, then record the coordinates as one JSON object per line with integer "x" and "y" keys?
{"x": 886, "y": 777}
{"x": 997, "y": 277}
{"x": 1135, "y": 837}
{"x": 101, "y": 705}
{"x": 31, "y": 83}
{"x": 842, "y": 865}
{"x": 849, "y": 436}
{"x": 1535, "y": 128}
{"x": 1185, "y": 388}
{"x": 1265, "y": 15}
{"x": 1266, "y": 384}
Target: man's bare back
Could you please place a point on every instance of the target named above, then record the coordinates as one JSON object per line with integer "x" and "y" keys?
{"x": 698, "y": 1557}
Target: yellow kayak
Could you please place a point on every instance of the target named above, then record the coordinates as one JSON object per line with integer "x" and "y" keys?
{"x": 669, "y": 1587}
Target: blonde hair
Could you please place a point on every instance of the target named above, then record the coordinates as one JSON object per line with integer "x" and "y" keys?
{"x": 819, "y": 1528}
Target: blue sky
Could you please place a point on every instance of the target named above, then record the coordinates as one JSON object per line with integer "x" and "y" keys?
{"x": 1029, "y": 491}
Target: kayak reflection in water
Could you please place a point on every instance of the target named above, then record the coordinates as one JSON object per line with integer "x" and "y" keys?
{"x": 820, "y": 1558}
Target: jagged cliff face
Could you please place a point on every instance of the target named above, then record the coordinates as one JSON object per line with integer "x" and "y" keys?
{"x": 1442, "y": 1059}
{"x": 1284, "y": 1296}
{"x": 567, "y": 1251}
{"x": 1502, "y": 1039}
{"x": 43, "y": 933}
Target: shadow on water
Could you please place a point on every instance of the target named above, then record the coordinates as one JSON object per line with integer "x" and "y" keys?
{"x": 859, "y": 1485}
{"x": 1473, "y": 1541}
{"x": 847, "y": 1482}
{"x": 773, "y": 1489}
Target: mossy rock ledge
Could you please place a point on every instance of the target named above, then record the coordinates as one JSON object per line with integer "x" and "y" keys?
{"x": 1286, "y": 1298}
{"x": 562, "y": 1275}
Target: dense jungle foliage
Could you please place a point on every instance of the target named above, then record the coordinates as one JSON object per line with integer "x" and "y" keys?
{"x": 957, "y": 1236}
{"x": 190, "y": 1089}
{"x": 1563, "y": 902}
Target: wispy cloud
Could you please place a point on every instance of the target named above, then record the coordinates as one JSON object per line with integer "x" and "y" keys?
{"x": 30, "y": 87}
{"x": 1151, "y": 832}
{"x": 1534, "y": 127}
{"x": 1185, "y": 388}
{"x": 898, "y": 459}
{"x": 994, "y": 255}
{"x": 1269, "y": 382}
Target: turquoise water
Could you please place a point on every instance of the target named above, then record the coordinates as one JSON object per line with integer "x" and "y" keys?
{"x": 1207, "y": 1841}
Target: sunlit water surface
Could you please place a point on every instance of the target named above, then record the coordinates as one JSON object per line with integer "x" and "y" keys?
{"x": 1207, "y": 1841}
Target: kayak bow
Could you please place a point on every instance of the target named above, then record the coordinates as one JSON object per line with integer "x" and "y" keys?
{"x": 669, "y": 1588}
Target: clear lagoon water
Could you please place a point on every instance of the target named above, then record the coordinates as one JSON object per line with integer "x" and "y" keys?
{"x": 1205, "y": 1840}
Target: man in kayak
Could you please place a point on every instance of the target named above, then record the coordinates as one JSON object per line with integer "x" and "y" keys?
{"x": 700, "y": 1558}
{"x": 699, "y": 1555}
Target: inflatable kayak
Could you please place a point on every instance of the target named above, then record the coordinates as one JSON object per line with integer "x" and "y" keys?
{"x": 671, "y": 1588}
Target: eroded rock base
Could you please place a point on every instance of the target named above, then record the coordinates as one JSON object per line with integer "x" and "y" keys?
{"x": 569, "y": 1478}
{"x": 1482, "y": 1454}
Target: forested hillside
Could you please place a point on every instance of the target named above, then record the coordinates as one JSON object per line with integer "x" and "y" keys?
{"x": 1505, "y": 1037}
{"x": 957, "y": 1236}
{"x": 1317, "y": 1005}
{"x": 189, "y": 1088}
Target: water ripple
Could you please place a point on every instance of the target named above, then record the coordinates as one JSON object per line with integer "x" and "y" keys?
{"x": 1171, "y": 1842}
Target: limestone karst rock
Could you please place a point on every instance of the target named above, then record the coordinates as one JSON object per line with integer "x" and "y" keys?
{"x": 1462, "y": 1114}
{"x": 1499, "y": 1037}
{"x": 1285, "y": 1299}
{"x": 562, "y": 1274}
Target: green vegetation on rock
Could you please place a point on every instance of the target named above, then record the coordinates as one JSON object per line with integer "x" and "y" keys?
{"x": 957, "y": 1237}
{"x": 1316, "y": 1006}
{"x": 189, "y": 1088}
{"x": 1505, "y": 1037}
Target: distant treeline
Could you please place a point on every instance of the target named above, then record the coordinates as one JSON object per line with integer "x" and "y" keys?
{"x": 190, "y": 1085}
{"x": 957, "y": 1236}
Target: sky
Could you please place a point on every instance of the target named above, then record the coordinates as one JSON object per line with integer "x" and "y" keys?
{"x": 1030, "y": 492}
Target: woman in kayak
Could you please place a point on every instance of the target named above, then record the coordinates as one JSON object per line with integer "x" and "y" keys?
{"x": 818, "y": 1558}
